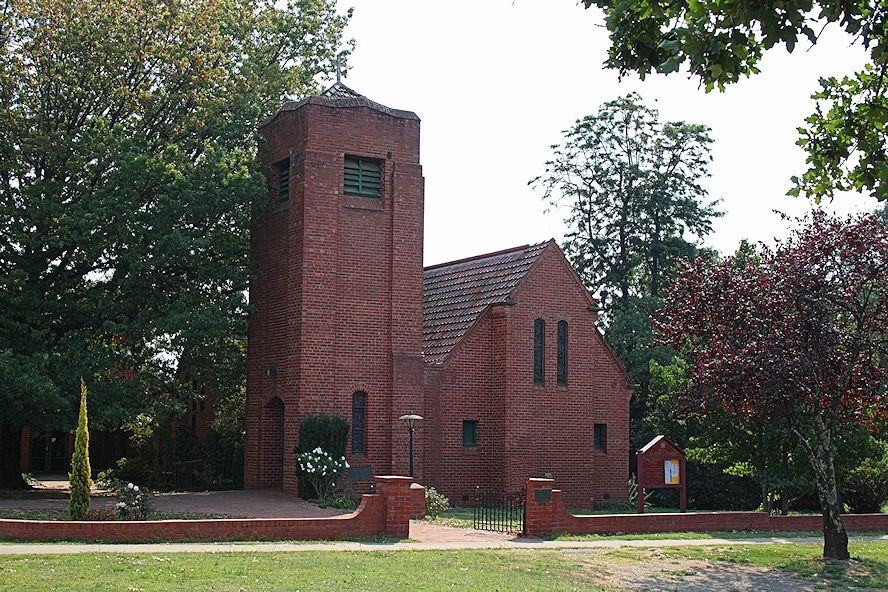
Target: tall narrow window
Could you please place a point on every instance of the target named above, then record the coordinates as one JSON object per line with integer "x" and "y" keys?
{"x": 539, "y": 351}
{"x": 599, "y": 437}
{"x": 359, "y": 423}
{"x": 362, "y": 177}
{"x": 283, "y": 173}
{"x": 562, "y": 352}
{"x": 470, "y": 433}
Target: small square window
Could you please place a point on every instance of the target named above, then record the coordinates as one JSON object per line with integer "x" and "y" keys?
{"x": 362, "y": 177}
{"x": 283, "y": 175}
{"x": 599, "y": 437}
{"x": 470, "y": 433}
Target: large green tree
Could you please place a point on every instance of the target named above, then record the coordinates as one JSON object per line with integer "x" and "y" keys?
{"x": 631, "y": 187}
{"x": 722, "y": 41}
{"x": 128, "y": 173}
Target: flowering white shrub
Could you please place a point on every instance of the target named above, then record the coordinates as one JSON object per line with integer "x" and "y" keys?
{"x": 133, "y": 503}
{"x": 321, "y": 470}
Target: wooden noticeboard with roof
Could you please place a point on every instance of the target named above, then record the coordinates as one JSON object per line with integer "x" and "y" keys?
{"x": 661, "y": 465}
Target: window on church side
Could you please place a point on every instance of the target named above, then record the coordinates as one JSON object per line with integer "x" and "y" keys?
{"x": 359, "y": 423}
{"x": 362, "y": 177}
{"x": 562, "y": 353}
{"x": 470, "y": 433}
{"x": 283, "y": 172}
{"x": 599, "y": 437}
{"x": 539, "y": 351}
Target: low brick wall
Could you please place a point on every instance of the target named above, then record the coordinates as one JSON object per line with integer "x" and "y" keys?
{"x": 386, "y": 513}
{"x": 546, "y": 515}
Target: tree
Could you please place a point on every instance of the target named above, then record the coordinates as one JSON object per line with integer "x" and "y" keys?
{"x": 631, "y": 186}
{"x": 81, "y": 475}
{"x": 721, "y": 42}
{"x": 798, "y": 338}
{"x": 128, "y": 174}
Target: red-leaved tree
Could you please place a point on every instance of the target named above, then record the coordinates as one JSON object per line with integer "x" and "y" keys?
{"x": 798, "y": 336}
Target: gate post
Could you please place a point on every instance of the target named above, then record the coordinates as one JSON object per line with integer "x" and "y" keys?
{"x": 539, "y": 518}
{"x": 395, "y": 492}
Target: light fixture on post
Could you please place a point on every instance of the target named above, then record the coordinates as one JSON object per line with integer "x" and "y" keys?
{"x": 410, "y": 421}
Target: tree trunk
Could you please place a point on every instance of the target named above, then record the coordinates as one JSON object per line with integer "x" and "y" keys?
{"x": 10, "y": 458}
{"x": 835, "y": 538}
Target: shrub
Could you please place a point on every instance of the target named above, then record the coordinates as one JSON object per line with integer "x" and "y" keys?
{"x": 339, "y": 502}
{"x": 326, "y": 432}
{"x": 866, "y": 487}
{"x": 321, "y": 470}
{"x": 435, "y": 503}
{"x": 133, "y": 502}
{"x": 632, "y": 499}
{"x": 80, "y": 476}
{"x": 135, "y": 470}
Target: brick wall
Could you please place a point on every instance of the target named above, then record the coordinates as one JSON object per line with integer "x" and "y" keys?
{"x": 545, "y": 518}
{"x": 386, "y": 513}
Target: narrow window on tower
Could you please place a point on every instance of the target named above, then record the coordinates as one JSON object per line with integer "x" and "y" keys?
{"x": 283, "y": 174}
{"x": 359, "y": 423}
{"x": 470, "y": 433}
{"x": 362, "y": 177}
{"x": 562, "y": 353}
{"x": 539, "y": 351}
{"x": 599, "y": 437}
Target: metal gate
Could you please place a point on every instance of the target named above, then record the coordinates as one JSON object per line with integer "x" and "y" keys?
{"x": 498, "y": 511}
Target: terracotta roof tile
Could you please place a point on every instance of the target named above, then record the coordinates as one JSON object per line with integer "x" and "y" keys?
{"x": 456, "y": 293}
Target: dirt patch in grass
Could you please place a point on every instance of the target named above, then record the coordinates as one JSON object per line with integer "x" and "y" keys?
{"x": 660, "y": 572}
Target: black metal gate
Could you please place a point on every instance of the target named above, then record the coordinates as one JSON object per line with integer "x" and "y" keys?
{"x": 498, "y": 511}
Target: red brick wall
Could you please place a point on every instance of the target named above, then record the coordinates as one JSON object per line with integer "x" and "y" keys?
{"x": 335, "y": 274}
{"x": 549, "y": 427}
{"x": 385, "y": 513}
{"x": 547, "y": 518}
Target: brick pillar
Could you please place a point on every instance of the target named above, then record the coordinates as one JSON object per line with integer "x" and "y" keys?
{"x": 539, "y": 508}
{"x": 395, "y": 492}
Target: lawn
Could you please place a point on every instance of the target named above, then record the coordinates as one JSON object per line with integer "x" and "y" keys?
{"x": 425, "y": 570}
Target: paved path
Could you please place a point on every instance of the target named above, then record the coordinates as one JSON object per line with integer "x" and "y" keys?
{"x": 514, "y": 544}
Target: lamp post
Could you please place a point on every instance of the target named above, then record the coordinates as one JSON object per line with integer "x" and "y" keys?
{"x": 410, "y": 421}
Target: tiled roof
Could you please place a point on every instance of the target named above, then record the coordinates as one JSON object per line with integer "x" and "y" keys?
{"x": 340, "y": 95}
{"x": 456, "y": 293}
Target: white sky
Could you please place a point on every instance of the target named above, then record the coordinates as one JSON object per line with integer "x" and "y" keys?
{"x": 495, "y": 82}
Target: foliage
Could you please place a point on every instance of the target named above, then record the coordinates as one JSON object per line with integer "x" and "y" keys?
{"x": 338, "y": 502}
{"x": 631, "y": 187}
{"x": 796, "y": 340}
{"x": 127, "y": 470}
{"x": 321, "y": 470}
{"x": 435, "y": 503}
{"x": 128, "y": 174}
{"x": 866, "y": 487}
{"x": 133, "y": 502}
{"x": 328, "y": 432}
{"x": 81, "y": 475}
{"x": 721, "y": 42}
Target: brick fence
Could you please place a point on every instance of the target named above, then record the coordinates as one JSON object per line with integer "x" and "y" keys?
{"x": 546, "y": 515}
{"x": 385, "y": 513}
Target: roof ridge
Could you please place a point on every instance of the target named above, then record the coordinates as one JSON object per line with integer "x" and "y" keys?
{"x": 486, "y": 255}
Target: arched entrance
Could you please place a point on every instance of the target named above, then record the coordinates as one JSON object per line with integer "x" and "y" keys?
{"x": 273, "y": 444}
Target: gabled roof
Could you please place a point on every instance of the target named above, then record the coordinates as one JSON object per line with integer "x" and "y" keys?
{"x": 456, "y": 293}
{"x": 657, "y": 440}
{"x": 340, "y": 95}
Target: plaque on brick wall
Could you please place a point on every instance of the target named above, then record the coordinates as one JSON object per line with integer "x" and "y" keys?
{"x": 360, "y": 473}
{"x": 543, "y": 495}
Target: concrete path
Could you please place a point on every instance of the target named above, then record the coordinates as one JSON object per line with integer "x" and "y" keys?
{"x": 514, "y": 544}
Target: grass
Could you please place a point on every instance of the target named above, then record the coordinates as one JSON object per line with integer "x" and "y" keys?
{"x": 335, "y": 571}
{"x": 62, "y": 514}
{"x": 412, "y": 570}
{"x": 868, "y": 568}
{"x": 729, "y": 534}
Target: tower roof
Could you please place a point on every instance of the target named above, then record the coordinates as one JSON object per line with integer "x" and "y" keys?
{"x": 341, "y": 96}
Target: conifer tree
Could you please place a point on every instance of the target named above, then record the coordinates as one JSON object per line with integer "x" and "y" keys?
{"x": 78, "y": 507}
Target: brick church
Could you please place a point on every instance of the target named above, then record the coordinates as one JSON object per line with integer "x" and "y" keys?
{"x": 498, "y": 353}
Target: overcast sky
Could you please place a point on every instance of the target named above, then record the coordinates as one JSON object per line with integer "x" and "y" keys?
{"x": 495, "y": 82}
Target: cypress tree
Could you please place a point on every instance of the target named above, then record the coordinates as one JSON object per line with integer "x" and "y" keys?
{"x": 80, "y": 480}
